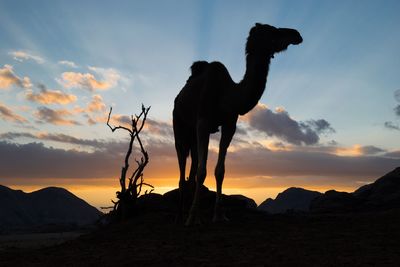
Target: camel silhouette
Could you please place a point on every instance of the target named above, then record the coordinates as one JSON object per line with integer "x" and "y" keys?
{"x": 210, "y": 98}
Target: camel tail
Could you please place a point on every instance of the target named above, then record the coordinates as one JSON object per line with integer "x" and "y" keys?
{"x": 198, "y": 67}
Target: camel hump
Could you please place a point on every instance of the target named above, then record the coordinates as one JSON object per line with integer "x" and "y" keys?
{"x": 198, "y": 67}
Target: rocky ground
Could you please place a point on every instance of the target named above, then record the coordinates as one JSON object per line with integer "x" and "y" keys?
{"x": 251, "y": 238}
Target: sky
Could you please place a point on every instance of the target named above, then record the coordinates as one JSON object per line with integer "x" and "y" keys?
{"x": 328, "y": 119}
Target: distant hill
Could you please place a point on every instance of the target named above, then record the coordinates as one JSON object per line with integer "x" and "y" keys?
{"x": 382, "y": 194}
{"x": 47, "y": 206}
{"x": 292, "y": 199}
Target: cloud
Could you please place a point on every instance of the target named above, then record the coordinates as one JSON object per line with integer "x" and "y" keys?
{"x": 160, "y": 128}
{"x": 34, "y": 160}
{"x": 57, "y": 117}
{"x": 57, "y": 137}
{"x": 22, "y": 55}
{"x": 68, "y": 63}
{"x": 83, "y": 80}
{"x": 393, "y": 154}
{"x": 332, "y": 143}
{"x": 281, "y": 125}
{"x": 110, "y": 78}
{"x": 154, "y": 127}
{"x": 115, "y": 120}
{"x": 8, "y": 115}
{"x": 397, "y": 95}
{"x": 96, "y": 104}
{"x": 47, "y": 96}
{"x": 371, "y": 150}
{"x": 63, "y": 138}
{"x": 300, "y": 168}
{"x": 122, "y": 119}
{"x": 397, "y": 110}
{"x": 38, "y": 161}
{"x": 15, "y": 135}
{"x": 240, "y": 130}
{"x": 90, "y": 120}
{"x": 110, "y": 74}
{"x": 9, "y": 78}
{"x": 344, "y": 151}
{"x": 248, "y": 162}
{"x": 391, "y": 126}
{"x": 93, "y": 118}
{"x": 319, "y": 126}
{"x": 92, "y": 110}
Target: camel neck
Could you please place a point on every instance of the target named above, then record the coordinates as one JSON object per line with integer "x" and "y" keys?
{"x": 252, "y": 86}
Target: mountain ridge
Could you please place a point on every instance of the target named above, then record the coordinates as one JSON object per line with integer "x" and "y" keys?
{"x": 383, "y": 193}
{"x": 46, "y": 206}
{"x": 292, "y": 199}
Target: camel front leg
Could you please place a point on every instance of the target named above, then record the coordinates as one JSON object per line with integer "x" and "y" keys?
{"x": 228, "y": 130}
{"x": 182, "y": 147}
{"x": 203, "y": 135}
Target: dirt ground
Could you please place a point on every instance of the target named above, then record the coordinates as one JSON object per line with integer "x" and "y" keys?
{"x": 249, "y": 239}
{"x": 35, "y": 240}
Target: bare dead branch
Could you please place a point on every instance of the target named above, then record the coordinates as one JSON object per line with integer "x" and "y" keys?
{"x": 144, "y": 112}
{"x": 128, "y": 195}
{"x": 113, "y": 128}
{"x": 146, "y": 184}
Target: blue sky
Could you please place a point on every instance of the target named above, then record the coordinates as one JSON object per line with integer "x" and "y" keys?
{"x": 345, "y": 71}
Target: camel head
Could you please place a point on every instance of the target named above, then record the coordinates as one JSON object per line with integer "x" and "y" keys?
{"x": 270, "y": 40}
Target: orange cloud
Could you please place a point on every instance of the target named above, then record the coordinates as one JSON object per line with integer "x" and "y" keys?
{"x": 276, "y": 146}
{"x": 50, "y": 97}
{"x": 358, "y": 150}
{"x": 9, "y": 78}
{"x": 353, "y": 151}
{"x": 83, "y": 80}
{"x": 8, "y": 115}
{"x": 92, "y": 110}
{"x": 110, "y": 78}
{"x": 96, "y": 104}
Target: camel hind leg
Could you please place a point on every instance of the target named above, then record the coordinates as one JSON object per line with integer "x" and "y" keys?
{"x": 203, "y": 135}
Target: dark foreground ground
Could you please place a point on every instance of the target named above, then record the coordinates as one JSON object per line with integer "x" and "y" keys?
{"x": 250, "y": 239}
